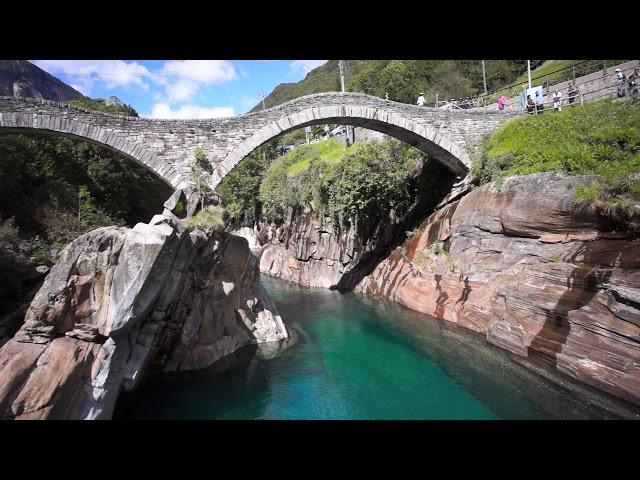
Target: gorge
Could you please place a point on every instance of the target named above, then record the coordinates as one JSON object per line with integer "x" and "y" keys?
{"x": 491, "y": 272}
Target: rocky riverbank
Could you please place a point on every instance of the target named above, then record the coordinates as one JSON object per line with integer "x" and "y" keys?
{"x": 314, "y": 251}
{"x": 540, "y": 275}
{"x": 121, "y": 303}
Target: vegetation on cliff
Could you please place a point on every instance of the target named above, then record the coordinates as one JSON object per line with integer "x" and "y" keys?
{"x": 600, "y": 139}
{"x": 57, "y": 188}
{"x": 403, "y": 80}
{"x": 100, "y": 105}
{"x": 340, "y": 182}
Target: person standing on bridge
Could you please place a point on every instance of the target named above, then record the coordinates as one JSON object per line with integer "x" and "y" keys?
{"x": 572, "y": 91}
{"x": 539, "y": 103}
{"x": 421, "y": 101}
{"x": 557, "y": 101}
{"x": 621, "y": 81}
{"x": 530, "y": 105}
{"x": 633, "y": 82}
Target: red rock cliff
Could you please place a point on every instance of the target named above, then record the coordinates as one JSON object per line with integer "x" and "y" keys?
{"x": 539, "y": 275}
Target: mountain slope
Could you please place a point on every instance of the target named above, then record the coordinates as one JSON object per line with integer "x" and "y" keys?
{"x": 23, "y": 79}
{"x": 402, "y": 80}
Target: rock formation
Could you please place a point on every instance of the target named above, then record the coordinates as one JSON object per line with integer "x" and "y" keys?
{"x": 120, "y": 303}
{"x": 315, "y": 252}
{"x": 538, "y": 274}
{"x": 20, "y": 78}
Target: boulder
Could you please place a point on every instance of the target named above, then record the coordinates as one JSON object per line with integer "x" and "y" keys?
{"x": 121, "y": 303}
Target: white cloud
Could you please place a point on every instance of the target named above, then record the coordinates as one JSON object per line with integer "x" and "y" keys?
{"x": 182, "y": 79}
{"x": 181, "y": 91}
{"x": 305, "y": 66}
{"x": 201, "y": 71}
{"x": 188, "y": 112}
{"x": 85, "y": 74}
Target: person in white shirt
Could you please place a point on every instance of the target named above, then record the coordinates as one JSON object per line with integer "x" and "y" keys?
{"x": 421, "y": 100}
{"x": 621, "y": 81}
{"x": 557, "y": 101}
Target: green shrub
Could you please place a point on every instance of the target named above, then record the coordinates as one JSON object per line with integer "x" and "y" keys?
{"x": 601, "y": 139}
{"x": 42, "y": 256}
{"x": 201, "y": 159}
{"x": 209, "y": 218}
{"x": 588, "y": 193}
{"x": 340, "y": 182}
{"x": 179, "y": 208}
{"x": 100, "y": 105}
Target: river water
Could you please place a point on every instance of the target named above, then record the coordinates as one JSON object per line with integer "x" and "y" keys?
{"x": 355, "y": 358}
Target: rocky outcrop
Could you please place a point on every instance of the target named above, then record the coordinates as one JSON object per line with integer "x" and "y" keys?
{"x": 316, "y": 252}
{"x": 20, "y": 78}
{"x": 21, "y": 274}
{"x": 120, "y": 303}
{"x": 538, "y": 274}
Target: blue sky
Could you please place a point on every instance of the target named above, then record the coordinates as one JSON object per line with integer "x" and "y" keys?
{"x": 180, "y": 88}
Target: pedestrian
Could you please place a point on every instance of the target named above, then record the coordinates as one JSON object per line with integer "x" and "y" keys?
{"x": 501, "y": 102}
{"x": 572, "y": 91}
{"x": 539, "y": 102}
{"x": 530, "y": 105}
{"x": 621, "y": 81}
{"x": 557, "y": 101}
{"x": 421, "y": 100}
{"x": 633, "y": 82}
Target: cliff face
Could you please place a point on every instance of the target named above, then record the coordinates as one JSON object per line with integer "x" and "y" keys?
{"x": 538, "y": 275}
{"x": 20, "y": 78}
{"x": 316, "y": 252}
{"x": 120, "y": 303}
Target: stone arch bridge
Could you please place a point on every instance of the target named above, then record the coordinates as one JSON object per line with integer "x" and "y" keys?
{"x": 166, "y": 147}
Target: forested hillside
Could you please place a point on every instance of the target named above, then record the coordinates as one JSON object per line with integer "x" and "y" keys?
{"x": 403, "y": 80}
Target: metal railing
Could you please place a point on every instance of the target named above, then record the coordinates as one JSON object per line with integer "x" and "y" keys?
{"x": 557, "y": 77}
{"x": 608, "y": 91}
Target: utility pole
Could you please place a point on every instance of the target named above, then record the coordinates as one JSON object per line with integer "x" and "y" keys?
{"x": 264, "y": 151}
{"x": 484, "y": 78}
{"x": 341, "y": 66}
{"x": 529, "y": 71}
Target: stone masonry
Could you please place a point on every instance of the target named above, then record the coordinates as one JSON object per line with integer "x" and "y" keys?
{"x": 167, "y": 147}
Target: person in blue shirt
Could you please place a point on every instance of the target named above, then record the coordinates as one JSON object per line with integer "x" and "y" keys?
{"x": 539, "y": 103}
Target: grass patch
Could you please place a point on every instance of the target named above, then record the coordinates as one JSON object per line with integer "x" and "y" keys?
{"x": 588, "y": 193}
{"x": 209, "y": 218}
{"x": 600, "y": 139}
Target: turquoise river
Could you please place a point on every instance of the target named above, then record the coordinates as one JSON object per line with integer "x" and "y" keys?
{"x": 350, "y": 357}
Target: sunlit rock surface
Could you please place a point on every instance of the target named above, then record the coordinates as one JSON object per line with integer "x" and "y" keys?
{"x": 541, "y": 276}
{"x": 122, "y": 302}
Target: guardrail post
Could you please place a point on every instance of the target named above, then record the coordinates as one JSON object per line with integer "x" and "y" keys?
{"x": 436, "y": 100}
{"x": 582, "y": 99}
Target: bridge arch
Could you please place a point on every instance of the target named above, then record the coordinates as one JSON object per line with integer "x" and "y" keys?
{"x": 394, "y": 124}
{"x": 62, "y": 126}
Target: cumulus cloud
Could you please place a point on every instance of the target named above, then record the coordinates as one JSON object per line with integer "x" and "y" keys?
{"x": 183, "y": 79}
{"x": 188, "y": 112}
{"x": 305, "y": 66}
{"x": 85, "y": 74}
{"x": 201, "y": 71}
